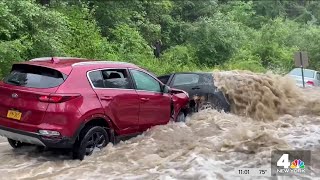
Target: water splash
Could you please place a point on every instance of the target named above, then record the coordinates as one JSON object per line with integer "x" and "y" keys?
{"x": 265, "y": 96}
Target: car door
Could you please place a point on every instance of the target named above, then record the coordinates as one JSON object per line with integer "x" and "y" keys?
{"x": 196, "y": 84}
{"x": 154, "y": 105}
{"x": 165, "y": 79}
{"x": 188, "y": 82}
{"x": 118, "y": 98}
{"x": 206, "y": 85}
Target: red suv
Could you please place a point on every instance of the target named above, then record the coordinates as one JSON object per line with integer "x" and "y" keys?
{"x": 81, "y": 104}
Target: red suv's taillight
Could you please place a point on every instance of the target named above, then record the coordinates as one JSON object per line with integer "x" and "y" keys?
{"x": 57, "y": 98}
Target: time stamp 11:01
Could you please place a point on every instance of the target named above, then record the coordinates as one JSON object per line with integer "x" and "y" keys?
{"x": 253, "y": 171}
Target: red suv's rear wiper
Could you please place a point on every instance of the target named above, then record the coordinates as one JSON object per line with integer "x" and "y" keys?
{"x": 14, "y": 82}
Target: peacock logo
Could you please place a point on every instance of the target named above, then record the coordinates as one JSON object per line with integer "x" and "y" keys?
{"x": 297, "y": 164}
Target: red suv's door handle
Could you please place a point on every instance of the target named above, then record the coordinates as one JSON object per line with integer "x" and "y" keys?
{"x": 107, "y": 98}
{"x": 144, "y": 99}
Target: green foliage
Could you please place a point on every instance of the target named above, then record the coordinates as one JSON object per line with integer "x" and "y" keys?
{"x": 180, "y": 54}
{"x": 215, "y": 39}
{"x": 195, "y": 35}
{"x": 84, "y": 38}
{"x": 128, "y": 44}
{"x": 239, "y": 11}
{"x": 276, "y": 44}
{"x": 10, "y": 52}
{"x": 308, "y": 41}
{"x": 245, "y": 59}
{"x": 160, "y": 67}
{"x": 29, "y": 30}
{"x": 191, "y": 10}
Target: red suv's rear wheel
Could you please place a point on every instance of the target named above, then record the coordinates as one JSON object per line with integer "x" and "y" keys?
{"x": 90, "y": 138}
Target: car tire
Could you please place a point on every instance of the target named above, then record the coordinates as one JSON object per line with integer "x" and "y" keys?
{"x": 41, "y": 148}
{"x": 90, "y": 138}
{"x": 181, "y": 117}
{"x": 219, "y": 102}
{"x": 15, "y": 144}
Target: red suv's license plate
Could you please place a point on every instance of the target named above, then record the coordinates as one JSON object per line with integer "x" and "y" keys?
{"x": 12, "y": 114}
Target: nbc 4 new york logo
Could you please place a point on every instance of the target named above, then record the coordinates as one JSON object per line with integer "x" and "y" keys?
{"x": 296, "y": 166}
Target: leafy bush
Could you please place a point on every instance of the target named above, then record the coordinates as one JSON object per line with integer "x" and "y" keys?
{"x": 129, "y": 44}
{"x": 84, "y": 38}
{"x": 215, "y": 39}
{"x": 29, "y": 30}
{"x": 196, "y": 35}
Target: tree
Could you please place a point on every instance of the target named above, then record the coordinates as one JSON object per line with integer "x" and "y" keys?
{"x": 215, "y": 39}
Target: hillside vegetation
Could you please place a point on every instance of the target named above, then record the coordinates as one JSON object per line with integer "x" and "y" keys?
{"x": 195, "y": 35}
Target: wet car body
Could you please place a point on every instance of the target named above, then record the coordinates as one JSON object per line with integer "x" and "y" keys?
{"x": 311, "y": 77}
{"x": 200, "y": 87}
{"x": 62, "y": 102}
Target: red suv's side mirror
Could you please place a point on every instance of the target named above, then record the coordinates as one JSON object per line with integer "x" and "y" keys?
{"x": 166, "y": 89}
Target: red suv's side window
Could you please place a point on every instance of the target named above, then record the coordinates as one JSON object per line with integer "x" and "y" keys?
{"x": 111, "y": 78}
{"x": 146, "y": 82}
{"x": 96, "y": 79}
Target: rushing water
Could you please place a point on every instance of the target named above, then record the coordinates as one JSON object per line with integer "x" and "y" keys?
{"x": 268, "y": 112}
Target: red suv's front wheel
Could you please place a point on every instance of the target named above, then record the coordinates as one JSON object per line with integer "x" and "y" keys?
{"x": 15, "y": 144}
{"x": 90, "y": 138}
{"x": 181, "y": 117}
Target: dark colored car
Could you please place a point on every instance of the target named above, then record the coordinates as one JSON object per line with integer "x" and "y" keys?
{"x": 82, "y": 104}
{"x": 199, "y": 85}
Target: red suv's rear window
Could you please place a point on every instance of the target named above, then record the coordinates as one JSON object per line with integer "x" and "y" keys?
{"x": 34, "y": 76}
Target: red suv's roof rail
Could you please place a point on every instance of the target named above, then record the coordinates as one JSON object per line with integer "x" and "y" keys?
{"x": 101, "y": 62}
{"x": 60, "y": 58}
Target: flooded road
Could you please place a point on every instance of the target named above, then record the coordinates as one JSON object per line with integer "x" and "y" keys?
{"x": 268, "y": 112}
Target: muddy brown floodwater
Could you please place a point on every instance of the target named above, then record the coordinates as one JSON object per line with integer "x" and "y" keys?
{"x": 268, "y": 112}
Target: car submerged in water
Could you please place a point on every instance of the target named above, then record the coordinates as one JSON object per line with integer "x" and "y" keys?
{"x": 200, "y": 87}
{"x": 80, "y": 104}
{"x": 311, "y": 77}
